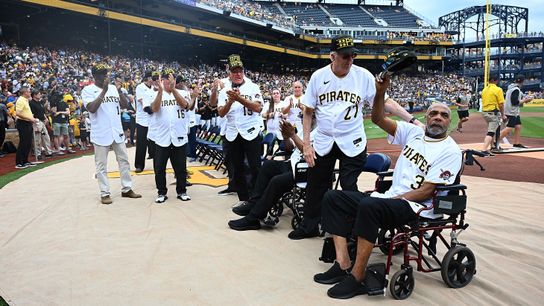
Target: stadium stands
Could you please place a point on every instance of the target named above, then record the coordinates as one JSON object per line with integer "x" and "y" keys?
{"x": 352, "y": 15}
{"x": 395, "y": 16}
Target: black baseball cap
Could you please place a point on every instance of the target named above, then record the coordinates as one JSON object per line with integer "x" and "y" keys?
{"x": 166, "y": 72}
{"x": 494, "y": 77}
{"x": 520, "y": 78}
{"x": 343, "y": 44}
{"x": 181, "y": 78}
{"x": 100, "y": 68}
{"x": 235, "y": 61}
{"x": 148, "y": 74}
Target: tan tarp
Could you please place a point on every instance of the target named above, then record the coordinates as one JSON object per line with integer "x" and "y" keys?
{"x": 59, "y": 246}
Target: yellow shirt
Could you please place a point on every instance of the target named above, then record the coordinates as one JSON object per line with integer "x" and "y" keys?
{"x": 22, "y": 107}
{"x": 492, "y": 97}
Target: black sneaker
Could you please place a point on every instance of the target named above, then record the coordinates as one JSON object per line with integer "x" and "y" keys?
{"x": 245, "y": 224}
{"x": 347, "y": 288}
{"x": 331, "y": 276}
{"x": 21, "y": 166}
{"x": 226, "y": 192}
{"x": 30, "y": 164}
{"x": 299, "y": 233}
{"x": 243, "y": 208}
{"x": 519, "y": 145}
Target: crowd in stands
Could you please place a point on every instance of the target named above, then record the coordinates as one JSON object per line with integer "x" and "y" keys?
{"x": 252, "y": 10}
{"x": 63, "y": 72}
{"x": 432, "y": 37}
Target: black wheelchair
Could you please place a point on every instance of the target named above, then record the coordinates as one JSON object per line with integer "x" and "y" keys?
{"x": 458, "y": 265}
{"x": 294, "y": 199}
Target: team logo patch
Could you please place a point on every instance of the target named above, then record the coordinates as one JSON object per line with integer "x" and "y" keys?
{"x": 445, "y": 175}
{"x": 257, "y": 96}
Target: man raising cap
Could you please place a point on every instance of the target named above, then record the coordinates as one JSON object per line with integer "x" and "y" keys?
{"x": 103, "y": 101}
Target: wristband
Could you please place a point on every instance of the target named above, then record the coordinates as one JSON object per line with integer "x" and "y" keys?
{"x": 413, "y": 119}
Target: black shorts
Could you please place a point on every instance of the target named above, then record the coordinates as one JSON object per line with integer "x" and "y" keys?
{"x": 346, "y": 212}
{"x": 513, "y": 121}
{"x": 462, "y": 114}
{"x": 126, "y": 125}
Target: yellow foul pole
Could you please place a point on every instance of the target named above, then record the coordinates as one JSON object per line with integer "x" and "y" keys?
{"x": 487, "y": 43}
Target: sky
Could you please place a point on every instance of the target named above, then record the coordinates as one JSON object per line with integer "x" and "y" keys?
{"x": 433, "y": 9}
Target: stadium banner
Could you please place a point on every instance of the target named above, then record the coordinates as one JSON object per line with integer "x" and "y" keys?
{"x": 535, "y": 103}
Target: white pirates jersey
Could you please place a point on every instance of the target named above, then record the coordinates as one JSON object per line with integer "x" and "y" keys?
{"x": 295, "y": 112}
{"x": 170, "y": 122}
{"x": 273, "y": 124}
{"x": 106, "y": 121}
{"x": 338, "y": 104}
{"x": 146, "y": 95}
{"x": 422, "y": 159}
{"x": 241, "y": 120}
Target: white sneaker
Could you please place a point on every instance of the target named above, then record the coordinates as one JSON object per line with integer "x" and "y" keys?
{"x": 184, "y": 197}
{"x": 161, "y": 198}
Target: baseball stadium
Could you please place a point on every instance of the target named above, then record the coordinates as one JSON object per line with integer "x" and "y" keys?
{"x": 401, "y": 142}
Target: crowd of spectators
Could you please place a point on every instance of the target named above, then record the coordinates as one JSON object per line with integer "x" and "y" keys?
{"x": 252, "y": 10}
{"x": 62, "y": 73}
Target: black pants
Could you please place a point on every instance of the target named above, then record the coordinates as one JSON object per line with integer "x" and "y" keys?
{"x": 275, "y": 178}
{"x": 238, "y": 150}
{"x": 142, "y": 145}
{"x": 228, "y": 164}
{"x": 320, "y": 178}
{"x": 25, "y": 141}
{"x": 2, "y": 133}
{"x": 346, "y": 212}
{"x": 178, "y": 159}
{"x": 191, "y": 148}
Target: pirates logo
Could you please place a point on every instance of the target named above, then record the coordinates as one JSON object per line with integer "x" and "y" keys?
{"x": 445, "y": 175}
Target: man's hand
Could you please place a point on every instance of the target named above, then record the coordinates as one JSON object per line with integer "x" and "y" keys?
{"x": 158, "y": 84}
{"x": 287, "y": 129}
{"x": 172, "y": 80}
{"x": 217, "y": 84}
{"x": 382, "y": 84}
{"x": 233, "y": 94}
{"x": 309, "y": 154}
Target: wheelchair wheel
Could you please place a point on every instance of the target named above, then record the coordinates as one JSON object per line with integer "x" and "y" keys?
{"x": 276, "y": 210}
{"x": 295, "y": 222}
{"x": 458, "y": 266}
{"x": 384, "y": 239}
{"x": 402, "y": 284}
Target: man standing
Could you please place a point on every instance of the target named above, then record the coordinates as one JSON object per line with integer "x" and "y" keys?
{"x": 144, "y": 97}
{"x": 170, "y": 133}
{"x": 492, "y": 110}
{"x": 3, "y": 125}
{"x": 429, "y": 158}
{"x": 294, "y": 106}
{"x": 337, "y": 94}
{"x": 25, "y": 119}
{"x": 514, "y": 99}
{"x": 240, "y": 101}
{"x": 462, "y": 103}
{"x": 61, "y": 115}
{"x": 104, "y": 101}
{"x": 40, "y": 129}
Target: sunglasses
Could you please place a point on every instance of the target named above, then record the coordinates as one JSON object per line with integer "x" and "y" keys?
{"x": 348, "y": 56}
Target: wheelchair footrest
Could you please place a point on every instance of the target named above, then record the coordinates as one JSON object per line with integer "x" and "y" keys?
{"x": 375, "y": 279}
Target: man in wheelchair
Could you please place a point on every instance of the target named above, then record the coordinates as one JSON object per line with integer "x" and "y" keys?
{"x": 429, "y": 158}
{"x": 275, "y": 178}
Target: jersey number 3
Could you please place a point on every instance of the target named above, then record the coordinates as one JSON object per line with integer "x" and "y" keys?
{"x": 418, "y": 182}
{"x": 347, "y": 116}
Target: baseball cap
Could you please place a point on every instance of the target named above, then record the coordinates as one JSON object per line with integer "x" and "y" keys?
{"x": 181, "y": 78}
{"x": 494, "y": 77}
{"x": 100, "y": 68}
{"x": 166, "y": 72}
{"x": 520, "y": 78}
{"x": 235, "y": 61}
{"x": 67, "y": 98}
{"x": 147, "y": 74}
{"x": 343, "y": 44}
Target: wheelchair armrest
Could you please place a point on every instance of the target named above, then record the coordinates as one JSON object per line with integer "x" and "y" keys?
{"x": 384, "y": 173}
{"x": 451, "y": 187}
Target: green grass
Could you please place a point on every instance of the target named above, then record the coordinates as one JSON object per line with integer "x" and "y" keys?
{"x": 3, "y": 302}
{"x": 532, "y": 126}
{"x": 12, "y": 176}
{"x": 530, "y": 109}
